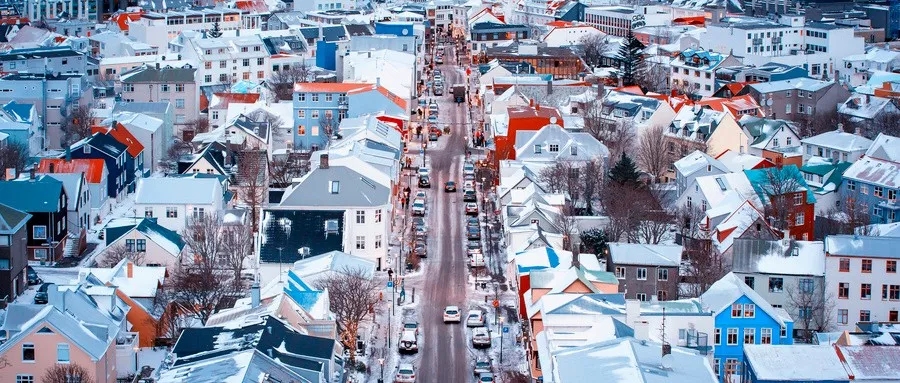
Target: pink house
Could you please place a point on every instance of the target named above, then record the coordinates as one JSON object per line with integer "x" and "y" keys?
{"x": 73, "y": 328}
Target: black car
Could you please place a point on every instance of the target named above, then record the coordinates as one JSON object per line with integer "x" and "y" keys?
{"x": 469, "y": 196}
{"x": 450, "y": 186}
{"x": 424, "y": 182}
{"x": 418, "y": 221}
{"x": 41, "y": 297}
{"x": 473, "y": 233}
{"x": 32, "y": 276}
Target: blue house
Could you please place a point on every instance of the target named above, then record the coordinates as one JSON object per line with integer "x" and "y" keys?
{"x": 20, "y": 122}
{"x": 320, "y": 107}
{"x": 873, "y": 180}
{"x": 742, "y": 317}
{"x": 112, "y": 152}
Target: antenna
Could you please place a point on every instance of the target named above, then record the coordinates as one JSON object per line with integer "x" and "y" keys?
{"x": 666, "y": 348}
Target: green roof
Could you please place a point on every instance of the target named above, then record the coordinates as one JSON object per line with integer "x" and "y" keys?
{"x": 148, "y": 227}
{"x": 822, "y": 169}
{"x": 38, "y": 195}
{"x": 599, "y": 276}
{"x": 11, "y": 220}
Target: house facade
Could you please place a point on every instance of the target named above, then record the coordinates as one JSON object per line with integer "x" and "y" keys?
{"x": 13, "y": 258}
{"x": 645, "y": 271}
{"x": 112, "y": 152}
{"x": 694, "y": 71}
{"x": 156, "y": 245}
{"x": 798, "y": 98}
{"x": 838, "y": 145}
{"x": 861, "y": 276}
{"x": 95, "y": 175}
{"x": 46, "y": 200}
{"x": 176, "y": 201}
{"x": 175, "y": 85}
{"x": 872, "y": 181}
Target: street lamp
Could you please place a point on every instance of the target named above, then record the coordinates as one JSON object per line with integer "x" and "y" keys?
{"x": 501, "y": 340}
{"x": 381, "y": 362}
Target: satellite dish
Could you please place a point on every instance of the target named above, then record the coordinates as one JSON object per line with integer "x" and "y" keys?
{"x": 768, "y": 102}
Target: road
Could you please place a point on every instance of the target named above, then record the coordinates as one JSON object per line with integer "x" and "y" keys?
{"x": 444, "y": 357}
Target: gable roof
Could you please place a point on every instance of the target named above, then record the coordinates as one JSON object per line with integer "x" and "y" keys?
{"x": 871, "y": 362}
{"x": 143, "y": 282}
{"x": 765, "y": 182}
{"x": 178, "y": 190}
{"x": 645, "y": 254}
{"x": 165, "y": 74}
{"x": 332, "y": 261}
{"x": 244, "y": 366}
{"x": 862, "y": 246}
{"x": 72, "y": 182}
{"x": 840, "y": 140}
{"x": 540, "y": 258}
{"x": 123, "y": 136}
{"x": 104, "y": 143}
{"x": 696, "y": 161}
{"x": 91, "y": 167}
{"x": 782, "y": 363}
{"x": 213, "y": 153}
{"x": 729, "y": 289}
{"x": 12, "y": 220}
{"x": 38, "y": 195}
{"x": 791, "y": 257}
{"x": 165, "y": 238}
{"x": 354, "y": 189}
{"x": 885, "y": 147}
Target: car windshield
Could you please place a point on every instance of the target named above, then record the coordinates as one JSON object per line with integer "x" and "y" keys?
{"x": 410, "y": 325}
{"x": 406, "y": 371}
{"x": 473, "y": 315}
{"x": 452, "y": 312}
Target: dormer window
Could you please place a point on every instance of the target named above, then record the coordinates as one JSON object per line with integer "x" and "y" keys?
{"x": 537, "y": 149}
{"x": 334, "y": 187}
{"x": 573, "y": 150}
{"x": 554, "y": 148}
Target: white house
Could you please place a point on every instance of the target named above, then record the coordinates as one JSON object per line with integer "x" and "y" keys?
{"x": 696, "y": 164}
{"x": 694, "y": 70}
{"x": 570, "y": 35}
{"x": 553, "y": 143}
{"x": 861, "y": 278}
{"x": 175, "y": 201}
{"x": 149, "y": 132}
{"x": 837, "y": 145}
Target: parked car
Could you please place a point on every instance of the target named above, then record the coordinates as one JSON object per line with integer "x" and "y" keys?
{"x": 475, "y": 318}
{"x": 473, "y": 233}
{"x": 418, "y": 207}
{"x": 476, "y": 259}
{"x": 471, "y": 208}
{"x": 469, "y": 169}
{"x": 482, "y": 365}
{"x": 438, "y": 90}
{"x": 408, "y": 342}
{"x": 439, "y": 60}
{"x": 423, "y": 171}
{"x": 450, "y": 187}
{"x": 419, "y": 221}
{"x": 41, "y": 296}
{"x": 413, "y": 326}
{"x": 451, "y": 314}
{"x": 424, "y": 182}
{"x": 473, "y": 244}
{"x": 469, "y": 185}
{"x": 432, "y": 136}
{"x": 32, "y": 276}
{"x": 481, "y": 337}
{"x": 486, "y": 377}
{"x": 406, "y": 373}
{"x": 433, "y": 107}
{"x": 421, "y": 250}
{"x": 469, "y": 195}
{"x": 421, "y": 194}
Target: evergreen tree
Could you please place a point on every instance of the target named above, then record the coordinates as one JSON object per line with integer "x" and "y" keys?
{"x": 625, "y": 172}
{"x": 594, "y": 240}
{"x": 216, "y": 30}
{"x": 631, "y": 59}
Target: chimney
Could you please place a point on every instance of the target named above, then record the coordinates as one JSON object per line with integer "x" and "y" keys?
{"x": 129, "y": 269}
{"x": 56, "y": 298}
{"x": 641, "y": 330}
{"x": 537, "y": 106}
{"x": 10, "y": 174}
{"x": 632, "y": 311}
{"x": 840, "y": 127}
{"x": 68, "y": 154}
{"x": 323, "y": 161}
{"x": 531, "y": 103}
{"x": 254, "y": 295}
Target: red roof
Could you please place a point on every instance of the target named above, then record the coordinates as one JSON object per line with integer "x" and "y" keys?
{"x": 633, "y": 89}
{"x": 122, "y": 19}
{"x": 560, "y": 24}
{"x": 251, "y": 5}
{"x": 689, "y": 20}
{"x": 121, "y": 134}
{"x": 92, "y": 168}
{"x": 226, "y": 98}
{"x": 531, "y": 112}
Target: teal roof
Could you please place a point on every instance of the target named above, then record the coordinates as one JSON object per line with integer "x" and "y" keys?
{"x": 148, "y": 227}
{"x": 38, "y": 195}
{"x": 823, "y": 169}
{"x": 12, "y": 220}
{"x": 762, "y": 185}
{"x": 304, "y": 295}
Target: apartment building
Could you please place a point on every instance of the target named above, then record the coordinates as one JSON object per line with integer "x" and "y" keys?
{"x": 157, "y": 29}
{"x": 694, "y": 71}
{"x": 617, "y": 20}
{"x": 224, "y": 60}
{"x": 155, "y": 83}
{"x": 861, "y": 277}
{"x": 50, "y": 94}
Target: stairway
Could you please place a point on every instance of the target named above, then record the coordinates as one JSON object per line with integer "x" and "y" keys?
{"x": 73, "y": 247}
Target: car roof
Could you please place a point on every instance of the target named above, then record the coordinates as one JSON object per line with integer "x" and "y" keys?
{"x": 475, "y": 311}
{"x": 419, "y": 200}
{"x": 452, "y": 308}
{"x": 407, "y": 366}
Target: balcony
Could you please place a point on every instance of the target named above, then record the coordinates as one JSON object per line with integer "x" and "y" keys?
{"x": 757, "y": 41}
{"x": 696, "y": 340}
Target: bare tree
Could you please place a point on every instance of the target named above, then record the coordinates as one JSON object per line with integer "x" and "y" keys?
{"x": 203, "y": 237}
{"x": 353, "y": 295}
{"x": 849, "y": 217}
{"x": 652, "y": 226}
{"x": 592, "y": 48}
{"x": 822, "y": 121}
{"x": 329, "y": 125}
{"x": 617, "y": 201}
{"x": 253, "y": 184}
{"x": 592, "y": 114}
{"x": 654, "y": 78}
{"x": 281, "y": 83}
{"x": 67, "y": 373}
{"x": 13, "y": 155}
{"x": 237, "y": 246}
{"x": 885, "y": 122}
{"x": 279, "y": 131}
{"x": 811, "y": 306}
{"x": 115, "y": 254}
{"x": 178, "y": 148}
{"x": 688, "y": 220}
{"x": 201, "y": 288}
{"x": 76, "y": 124}
{"x": 567, "y": 226}
{"x": 619, "y": 138}
{"x": 281, "y": 172}
{"x": 781, "y": 188}
{"x": 703, "y": 266}
{"x": 198, "y": 125}
{"x": 652, "y": 153}
{"x": 580, "y": 181}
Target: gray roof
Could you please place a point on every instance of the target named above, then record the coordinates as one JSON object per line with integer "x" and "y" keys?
{"x": 166, "y": 75}
{"x": 354, "y": 190}
{"x": 862, "y": 246}
{"x": 645, "y": 254}
{"x": 178, "y": 190}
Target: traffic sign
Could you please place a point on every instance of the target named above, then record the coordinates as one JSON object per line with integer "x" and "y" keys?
{"x": 505, "y": 329}
{"x": 496, "y": 303}
{"x": 390, "y": 284}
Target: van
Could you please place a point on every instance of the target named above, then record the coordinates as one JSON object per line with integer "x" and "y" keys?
{"x": 476, "y": 259}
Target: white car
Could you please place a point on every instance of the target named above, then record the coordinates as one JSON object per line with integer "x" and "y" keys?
{"x": 451, "y": 314}
{"x": 406, "y": 373}
{"x": 418, "y": 207}
{"x": 469, "y": 185}
{"x": 486, "y": 377}
{"x": 475, "y": 318}
{"x": 408, "y": 342}
{"x": 423, "y": 171}
{"x": 469, "y": 169}
{"x": 420, "y": 195}
{"x": 481, "y": 337}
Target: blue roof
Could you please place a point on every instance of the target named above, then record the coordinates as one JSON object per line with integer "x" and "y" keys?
{"x": 304, "y": 295}
{"x": 38, "y": 195}
{"x": 22, "y": 112}
{"x": 552, "y": 261}
{"x": 762, "y": 183}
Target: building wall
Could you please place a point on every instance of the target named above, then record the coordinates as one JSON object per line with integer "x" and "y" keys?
{"x": 13, "y": 280}
{"x": 158, "y": 32}
{"x": 651, "y": 286}
{"x": 141, "y": 322}
{"x": 184, "y": 215}
{"x": 881, "y": 209}
{"x": 307, "y": 132}
{"x": 370, "y": 232}
{"x": 724, "y": 321}
{"x": 72, "y": 63}
{"x": 727, "y": 136}
{"x": 186, "y": 104}
{"x": 810, "y": 150}
{"x": 45, "y": 357}
{"x": 59, "y": 94}
{"x": 154, "y": 254}
{"x": 879, "y": 308}
{"x": 782, "y": 298}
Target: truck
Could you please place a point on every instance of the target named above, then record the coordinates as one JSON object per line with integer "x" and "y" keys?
{"x": 459, "y": 93}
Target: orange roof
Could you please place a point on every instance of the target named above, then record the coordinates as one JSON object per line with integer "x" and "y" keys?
{"x": 532, "y": 112}
{"x": 251, "y": 5}
{"x": 690, "y": 20}
{"x": 121, "y": 134}
{"x": 329, "y": 87}
{"x": 92, "y": 168}
{"x": 633, "y": 89}
{"x": 393, "y": 97}
{"x": 560, "y": 24}
{"x": 223, "y": 99}
{"x": 122, "y": 19}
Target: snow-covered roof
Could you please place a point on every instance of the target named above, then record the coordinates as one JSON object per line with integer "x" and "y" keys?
{"x": 794, "y": 363}
{"x": 178, "y": 190}
{"x": 735, "y": 225}
{"x": 807, "y": 84}
{"x": 240, "y": 367}
{"x": 779, "y": 257}
{"x": 142, "y": 282}
{"x": 885, "y": 147}
{"x": 883, "y": 229}
{"x": 332, "y": 261}
{"x": 871, "y": 362}
{"x": 864, "y": 107}
{"x": 839, "y": 140}
{"x": 698, "y": 160}
{"x": 738, "y": 162}
{"x": 730, "y": 288}
{"x": 541, "y": 258}
{"x": 645, "y": 254}
{"x": 862, "y": 246}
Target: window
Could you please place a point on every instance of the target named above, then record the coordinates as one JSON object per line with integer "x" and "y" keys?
{"x": 573, "y": 150}
{"x": 851, "y": 185}
{"x": 894, "y": 292}
{"x": 314, "y": 113}
{"x": 717, "y": 336}
{"x": 245, "y": 62}
{"x": 890, "y": 267}
{"x": 164, "y": 88}
{"x": 749, "y": 310}
{"x": 28, "y": 352}
{"x": 620, "y": 272}
{"x": 128, "y": 87}
{"x": 642, "y": 274}
{"x": 329, "y": 97}
{"x": 129, "y": 244}
{"x": 765, "y": 336}
{"x": 378, "y": 216}
{"x": 842, "y": 316}
{"x": 537, "y": 149}
{"x": 776, "y": 285}
{"x": 804, "y": 312}
{"x": 315, "y": 97}
{"x": 171, "y": 212}
{"x": 301, "y": 96}
{"x": 39, "y": 232}
{"x": 199, "y": 213}
{"x": 207, "y": 78}
{"x": 866, "y": 265}
{"x": 799, "y": 219}
{"x": 878, "y": 191}
{"x": 737, "y": 310}
{"x": 360, "y": 216}
{"x": 892, "y": 194}
{"x": 4, "y": 240}
{"x": 662, "y": 274}
{"x": 807, "y": 285}
{"x": 749, "y": 335}
{"x": 865, "y": 291}
{"x": 749, "y": 281}
{"x": 844, "y": 265}
{"x": 554, "y": 148}
{"x": 260, "y": 61}
{"x": 360, "y": 242}
{"x": 335, "y": 187}
{"x": 864, "y": 189}
{"x": 798, "y": 199}
{"x": 865, "y": 315}
{"x": 148, "y": 212}
{"x": 141, "y": 245}
{"x": 732, "y": 337}
{"x": 23, "y": 378}
{"x": 641, "y": 297}
{"x": 843, "y": 290}
{"x": 892, "y": 316}
{"x": 179, "y": 103}
{"x": 62, "y": 353}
